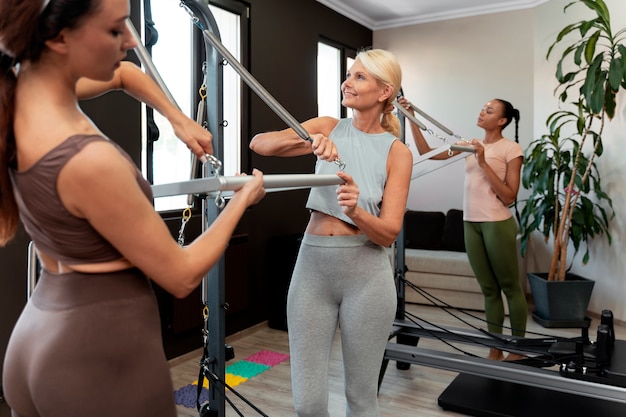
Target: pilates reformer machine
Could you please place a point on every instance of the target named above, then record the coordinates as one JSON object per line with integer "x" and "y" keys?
{"x": 559, "y": 377}
{"x": 583, "y": 374}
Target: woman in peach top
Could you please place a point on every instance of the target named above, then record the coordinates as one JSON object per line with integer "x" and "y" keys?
{"x": 492, "y": 178}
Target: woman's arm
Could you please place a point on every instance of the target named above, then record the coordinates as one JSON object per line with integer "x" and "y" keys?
{"x": 505, "y": 190}
{"x": 288, "y": 143}
{"x": 382, "y": 230}
{"x": 134, "y": 82}
{"x": 421, "y": 143}
{"x": 99, "y": 185}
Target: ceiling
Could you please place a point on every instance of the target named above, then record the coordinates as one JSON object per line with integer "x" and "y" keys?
{"x": 385, "y": 14}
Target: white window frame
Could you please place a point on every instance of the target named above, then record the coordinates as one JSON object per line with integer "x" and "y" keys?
{"x": 173, "y": 58}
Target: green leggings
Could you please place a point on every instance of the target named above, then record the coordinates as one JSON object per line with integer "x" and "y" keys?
{"x": 492, "y": 252}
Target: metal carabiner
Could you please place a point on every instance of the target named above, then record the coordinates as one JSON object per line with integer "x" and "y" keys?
{"x": 181, "y": 232}
{"x": 216, "y": 164}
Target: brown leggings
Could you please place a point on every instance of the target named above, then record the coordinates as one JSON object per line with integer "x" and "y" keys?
{"x": 89, "y": 345}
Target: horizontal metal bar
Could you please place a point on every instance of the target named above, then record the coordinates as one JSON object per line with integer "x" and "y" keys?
{"x": 523, "y": 345}
{"x": 441, "y": 149}
{"x": 503, "y": 371}
{"x": 281, "y": 182}
{"x": 461, "y": 148}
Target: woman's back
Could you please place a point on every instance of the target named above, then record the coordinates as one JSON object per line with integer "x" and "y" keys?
{"x": 55, "y": 231}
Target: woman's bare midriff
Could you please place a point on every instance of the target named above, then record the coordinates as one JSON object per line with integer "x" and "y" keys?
{"x": 324, "y": 225}
{"x": 52, "y": 265}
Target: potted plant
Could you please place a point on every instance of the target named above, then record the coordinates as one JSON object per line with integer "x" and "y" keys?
{"x": 566, "y": 200}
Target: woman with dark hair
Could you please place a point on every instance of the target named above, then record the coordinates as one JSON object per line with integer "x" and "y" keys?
{"x": 88, "y": 342}
{"x": 492, "y": 179}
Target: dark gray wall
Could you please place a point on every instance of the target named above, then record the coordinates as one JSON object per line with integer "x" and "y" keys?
{"x": 13, "y": 277}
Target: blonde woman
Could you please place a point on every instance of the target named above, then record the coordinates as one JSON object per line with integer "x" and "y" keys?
{"x": 343, "y": 277}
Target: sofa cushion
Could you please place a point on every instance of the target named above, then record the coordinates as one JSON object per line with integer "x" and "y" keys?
{"x": 423, "y": 229}
{"x": 453, "y": 236}
{"x": 438, "y": 261}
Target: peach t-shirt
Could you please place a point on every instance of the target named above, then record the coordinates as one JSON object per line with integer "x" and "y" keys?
{"x": 480, "y": 203}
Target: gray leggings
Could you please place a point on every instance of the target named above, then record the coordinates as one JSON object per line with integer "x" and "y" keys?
{"x": 344, "y": 281}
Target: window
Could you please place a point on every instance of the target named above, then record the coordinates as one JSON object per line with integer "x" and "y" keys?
{"x": 328, "y": 81}
{"x": 333, "y": 62}
{"x": 173, "y": 57}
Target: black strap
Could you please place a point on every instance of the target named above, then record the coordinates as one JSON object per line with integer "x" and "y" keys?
{"x": 201, "y": 375}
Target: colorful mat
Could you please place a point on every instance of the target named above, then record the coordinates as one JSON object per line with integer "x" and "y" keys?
{"x": 237, "y": 373}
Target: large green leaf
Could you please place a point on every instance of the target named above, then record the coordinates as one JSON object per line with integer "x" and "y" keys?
{"x": 590, "y": 47}
{"x": 601, "y": 10}
{"x": 593, "y": 87}
{"x": 616, "y": 73}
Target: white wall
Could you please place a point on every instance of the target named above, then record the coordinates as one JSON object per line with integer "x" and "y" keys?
{"x": 452, "y": 68}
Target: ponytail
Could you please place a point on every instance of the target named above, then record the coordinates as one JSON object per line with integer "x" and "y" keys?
{"x": 391, "y": 123}
{"x": 9, "y": 217}
{"x": 516, "y": 117}
{"x": 510, "y": 114}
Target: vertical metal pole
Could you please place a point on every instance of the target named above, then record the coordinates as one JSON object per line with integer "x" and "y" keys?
{"x": 401, "y": 271}
{"x": 213, "y": 294}
{"x": 32, "y": 270}
{"x": 399, "y": 252}
{"x": 213, "y": 285}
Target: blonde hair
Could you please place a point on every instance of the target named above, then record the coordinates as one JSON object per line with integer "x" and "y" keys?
{"x": 384, "y": 66}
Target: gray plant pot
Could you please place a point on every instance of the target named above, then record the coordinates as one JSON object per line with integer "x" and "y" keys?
{"x": 560, "y": 303}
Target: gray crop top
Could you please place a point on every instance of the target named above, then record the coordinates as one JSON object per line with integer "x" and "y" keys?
{"x": 54, "y": 230}
{"x": 365, "y": 156}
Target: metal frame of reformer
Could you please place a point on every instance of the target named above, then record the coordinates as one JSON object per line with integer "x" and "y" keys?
{"x": 213, "y": 282}
{"x": 409, "y": 332}
{"x": 212, "y": 187}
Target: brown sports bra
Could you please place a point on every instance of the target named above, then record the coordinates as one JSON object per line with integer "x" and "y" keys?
{"x": 54, "y": 230}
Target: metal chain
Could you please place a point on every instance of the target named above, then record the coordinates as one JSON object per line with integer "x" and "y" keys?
{"x": 341, "y": 164}
{"x": 216, "y": 164}
{"x": 181, "y": 232}
{"x": 445, "y": 140}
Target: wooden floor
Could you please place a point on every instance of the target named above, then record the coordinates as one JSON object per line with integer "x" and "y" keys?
{"x": 412, "y": 392}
